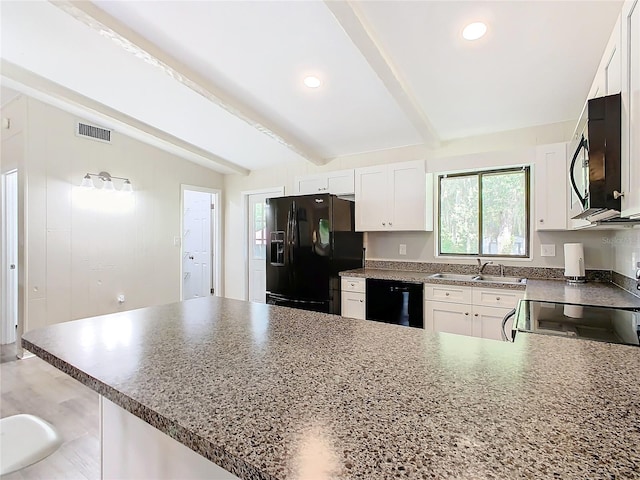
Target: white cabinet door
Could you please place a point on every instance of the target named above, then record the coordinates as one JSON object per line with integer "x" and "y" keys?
{"x": 448, "y": 317}
{"x": 353, "y": 305}
{"x": 487, "y": 322}
{"x": 551, "y": 187}
{"x": 394, "y": 197}
{"x": 371, "y": 199}
{"x": 448, "y": 293}
{"x": 612, "y": 65}
{"x": 497, "y": 297}
{"x": 310, "y": 184}
{"x": 340, "y": 182}
{"x": 354, "y": 284}
{"x": 408, "y": 202}
{"x": 630, "y": 55}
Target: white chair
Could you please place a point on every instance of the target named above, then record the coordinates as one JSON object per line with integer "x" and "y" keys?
{"x": 25, "y": 440}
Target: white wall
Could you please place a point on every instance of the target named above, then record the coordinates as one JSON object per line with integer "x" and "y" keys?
{"x": 626, "y": 247}
{"x": 507, "y": 148}
{"x": 78, "y": 260}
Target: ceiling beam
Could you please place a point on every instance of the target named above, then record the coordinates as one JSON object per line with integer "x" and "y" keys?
{"x": 104, "y": 24}
{"x": 354, "y": 23}
{"x": 43, "y": 89}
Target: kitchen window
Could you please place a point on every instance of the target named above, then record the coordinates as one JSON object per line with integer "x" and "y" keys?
{"x": 484, "y": 213}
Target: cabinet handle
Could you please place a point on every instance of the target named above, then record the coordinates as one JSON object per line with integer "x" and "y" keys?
{"x": 383, "y": 224}
{"x": 617, "y": 194}
{"x": 466, "y": 313}
{"x": 361, "y": 301}
{"x": 542, "y": 220}
{"x": 447, "y": 294}
{"x": 390, "y": 223}
{"x": 498, "y": 298}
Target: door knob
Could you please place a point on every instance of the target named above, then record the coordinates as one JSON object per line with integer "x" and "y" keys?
{"x": 617, "y": 194}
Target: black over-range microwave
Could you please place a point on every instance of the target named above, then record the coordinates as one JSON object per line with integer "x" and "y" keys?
{"x": 595, "y": 166}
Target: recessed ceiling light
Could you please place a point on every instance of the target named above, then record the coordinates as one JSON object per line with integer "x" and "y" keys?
{"x": 474, "y": 31}
{"x": 312, "y": 82}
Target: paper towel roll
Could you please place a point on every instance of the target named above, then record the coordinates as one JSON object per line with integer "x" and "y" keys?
{"x": 573, "y": 260}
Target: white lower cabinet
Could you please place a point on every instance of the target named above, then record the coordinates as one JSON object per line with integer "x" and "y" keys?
{"x": 478, "y": 313}
{"x": 353, "y": 305}
{"x": 487, "y": 322}
{"x": 353, "y": 291}
{"x": 448, "y": 317}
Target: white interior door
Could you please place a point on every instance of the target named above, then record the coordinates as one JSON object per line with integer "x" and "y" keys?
{"x": 257, "y": 243}
{"x": 196, "y": 244}
{"x": 10, "y": 241}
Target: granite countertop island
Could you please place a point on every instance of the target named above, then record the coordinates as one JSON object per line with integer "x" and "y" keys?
{"x": 276, "y": 393}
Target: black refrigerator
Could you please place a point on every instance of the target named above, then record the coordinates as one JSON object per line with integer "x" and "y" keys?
{"x": 311, "y": 239}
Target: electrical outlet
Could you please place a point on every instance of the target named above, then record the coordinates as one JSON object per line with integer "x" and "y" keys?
{"x": 403, "y": 249}
{"x": 548, "y": 250}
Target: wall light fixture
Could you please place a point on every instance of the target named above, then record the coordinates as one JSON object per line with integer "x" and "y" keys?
{"x": 107, "y": 182}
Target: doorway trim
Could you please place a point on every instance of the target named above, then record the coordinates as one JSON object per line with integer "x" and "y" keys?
{"x": 4, "y": 260}
{"x": 216, "y": 223}
{"x": 277, "y": 191}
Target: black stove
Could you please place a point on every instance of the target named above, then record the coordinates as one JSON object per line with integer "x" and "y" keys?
{"x": 604, "y": 324}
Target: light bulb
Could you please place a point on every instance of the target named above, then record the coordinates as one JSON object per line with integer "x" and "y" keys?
{"x": 87, "y": 182}
{"x": 108, "y": 185}
{"x": 312, "y": 82}
{"x": 474, "y": 31}
{"x": 126, "y": 187}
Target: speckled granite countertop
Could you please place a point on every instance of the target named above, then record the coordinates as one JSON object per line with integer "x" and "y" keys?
{"x": 424, "y": 277}
{"x": 275, "y": 393}
{"x": 597, "y": 294}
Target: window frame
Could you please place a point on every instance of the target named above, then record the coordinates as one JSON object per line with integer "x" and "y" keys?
{"x": 479, "y": 173}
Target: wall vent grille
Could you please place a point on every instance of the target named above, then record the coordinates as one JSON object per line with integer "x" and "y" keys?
{"x": 93, "y": 132}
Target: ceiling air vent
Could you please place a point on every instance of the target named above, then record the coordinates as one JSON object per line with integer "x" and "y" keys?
{"x": 91, "y": 131}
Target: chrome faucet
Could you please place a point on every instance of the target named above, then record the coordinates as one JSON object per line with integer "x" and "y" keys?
{"x": 481, "y": 266}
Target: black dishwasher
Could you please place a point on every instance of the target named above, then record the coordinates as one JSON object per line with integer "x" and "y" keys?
{"x": 393, "y": 301}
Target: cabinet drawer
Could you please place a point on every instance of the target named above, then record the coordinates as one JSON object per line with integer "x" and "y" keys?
{"x": 354, "y": 284}
{"x": 353, "y": 305}
{"x": 447, "y": 293}
{"x": 495, "y": 297}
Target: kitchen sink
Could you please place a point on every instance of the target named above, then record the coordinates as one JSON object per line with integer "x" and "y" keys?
{"x": 498, "y": 279}
{"x": 454, "y": 276}
{"x": 477, "y": 278}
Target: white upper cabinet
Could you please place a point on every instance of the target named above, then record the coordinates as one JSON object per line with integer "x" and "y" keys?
{"x": 551, "y": 187}
{"x": 394, "y": 197}
{"x": 630, "y": 56}
{"x": 608, "y": 79}
{"x": 339, "y": 183}
{"x": 612, "y": 64}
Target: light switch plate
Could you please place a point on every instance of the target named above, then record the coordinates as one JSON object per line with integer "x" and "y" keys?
{"x": 547, "y": 250}
{"x": 403, "y": 249}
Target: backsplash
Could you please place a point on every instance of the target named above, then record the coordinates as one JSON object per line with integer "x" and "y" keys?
{"x": 510, "y": 271}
